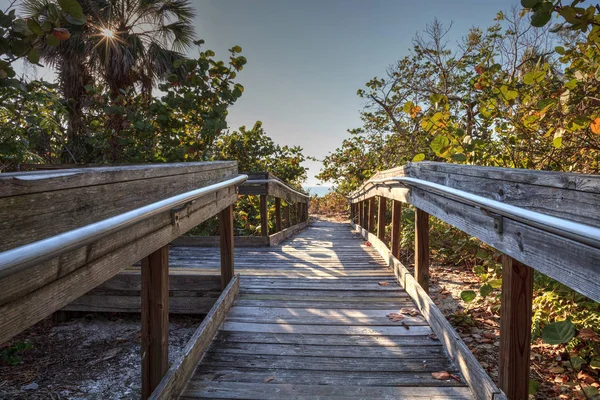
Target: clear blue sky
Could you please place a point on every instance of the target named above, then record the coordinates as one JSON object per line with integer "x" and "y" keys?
{"x": 307, "y": 58}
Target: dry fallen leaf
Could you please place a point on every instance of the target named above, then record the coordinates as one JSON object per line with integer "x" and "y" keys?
{"x": 455, "y": 377}
{"x": 433, "y": 336}
{"x": 395, "y": 317}
{"x": 410, "y": 311}
{"x": 269, "y": 379}
{"x": 557, "y": 370}
{"x": 595, "y": 126}
{"x": 368, "y": 244}
{"x": 588, "y": 334}
{"x": 384, "y": 283}
{"x": 441, "y": 376}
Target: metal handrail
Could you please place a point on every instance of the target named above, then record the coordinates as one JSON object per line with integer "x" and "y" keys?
{"x": 280, "y": 183}
{"x": 579, "y": 232}
{"x": 20, "y": 258}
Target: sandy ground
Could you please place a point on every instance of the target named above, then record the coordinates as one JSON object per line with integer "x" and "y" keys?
{"x": 93, "y": 357}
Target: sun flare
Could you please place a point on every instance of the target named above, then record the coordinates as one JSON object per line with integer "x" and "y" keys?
{"x": 108, "y": 33}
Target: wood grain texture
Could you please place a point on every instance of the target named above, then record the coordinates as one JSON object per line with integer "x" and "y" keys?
{"x": 264, "y": 216}
{"x": 515, "y": 328}
{"x": 313, "y": 313}
{"x": 226, "y": 249}
{"x": 422, "y": 248}
{"x": 183, "y": 367}
{"x": 278, "y": 225}
{"x": 381, "y": 218}
{"x": 396, "y": 228}
{"x": 155, "y": 319}
{"x": 476, "y": 377}
{"x": 371, "y": 221}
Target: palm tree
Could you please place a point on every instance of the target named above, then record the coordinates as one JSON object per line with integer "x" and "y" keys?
{"x": 124, "y": 44}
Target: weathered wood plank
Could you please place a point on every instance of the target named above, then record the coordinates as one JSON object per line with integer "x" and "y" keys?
{"x": 328, "y": 329}
{"x": 261, "y": 391}
{"x": 182, "y": 369}
{"x": 476, "y": 377}
{"x": 396, "y": 227}
{"x": 381, "y": 218}
{"x": 422, "y": 248}
{"x": 92, "y": 265}
{"x": 214, "y": 241}
{"x": 36, "y": 214}
{"x": 515, "y": 328}
{"x": 155, "y": 319}
{"x": 227, "y": 252}
{"x": 279, "y": 237}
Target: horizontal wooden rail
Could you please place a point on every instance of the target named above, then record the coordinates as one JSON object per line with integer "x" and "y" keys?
{"x": 540, "y": 220}
{"x": 85, "y": 225}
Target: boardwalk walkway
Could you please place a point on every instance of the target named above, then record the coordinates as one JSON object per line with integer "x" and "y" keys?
{"x": 311, "y": 322}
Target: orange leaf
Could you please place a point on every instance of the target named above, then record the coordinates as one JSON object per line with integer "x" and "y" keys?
{"x": 595, "y": 126}
{"x": 395, "y": 317}
{"x": 368, "y": 244}
{"x": 384, "y": 283}
{"x": 269, "y": 379}
{"x": 441, "y": 376}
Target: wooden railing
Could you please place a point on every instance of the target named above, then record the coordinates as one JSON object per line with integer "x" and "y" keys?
{"x": 65, "y": 232}
{"x": 290, "y": 216}
{"x": 544, "y": 221}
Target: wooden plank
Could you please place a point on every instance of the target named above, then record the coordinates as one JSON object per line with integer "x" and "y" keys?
{"x": 371, "y": 305}
{"x": 396, "y": 227}
{"x": 515, "y": 328}
{"x": 328, "y": 351}
{"x": 327, "y": 364}
{"x": 155, "y": 319}
{"x": 40, "y": 208}
{"x": 182, "y": 369}
{"x": 68, "y": 277}
{"x": 422, "y": 248}
{"x": 371, "y": 221}
{"x": 474, "y": 375}
{"x": 261, "y": 391}
{"x": 381, "y": 218}
{"x": 226, "y": 237}
{"x": 278, "y": 225}
{"x": 264, "y": 216}
{"x": 571, "y": 263}
{"x": 387, "y": 341}
{"x": 328, "y": 329}
{"x": 362, "y": 378}
{"x": 279, "y": 237}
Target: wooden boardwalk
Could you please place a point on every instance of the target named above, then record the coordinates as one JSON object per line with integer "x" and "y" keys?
{"x": 311, "y": 322}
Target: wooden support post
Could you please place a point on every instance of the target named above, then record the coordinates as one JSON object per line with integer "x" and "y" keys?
{"x": 306, "y": 211}
{"x": 372, "y": 214}
{"x": 278, "y": 214}
{"x": 381, "y": 216}
{"x": 299, "y": 212}
{"x": 264, "y": 217}
{"x": 396, "y": 228}
{"x": 364, "y": 224}
{"x": 286, "y": 213}
{"x": 155, "y": 319}
{"x": 515, "y": 328}
{"x": 422, "y": 248}
{"x": 226, "y": 239}
{"x": 360, "y": 213}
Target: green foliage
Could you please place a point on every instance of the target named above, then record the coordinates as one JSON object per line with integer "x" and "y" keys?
{"x": 558, "y": 332}
{"x": 11, "y": 355}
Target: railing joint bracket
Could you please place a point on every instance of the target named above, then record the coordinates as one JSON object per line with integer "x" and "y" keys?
{"x": 498, "y": 220}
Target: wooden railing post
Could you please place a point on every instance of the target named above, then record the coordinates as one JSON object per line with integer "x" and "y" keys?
{"x": 278, "y": 214}
{"x": 422, "y": 248}
{"x": 381, "y": 216}
{"x": 372, "y": 215}
{"x": 360, "y": 213}
{"x": 299, "y": 212}
{"x": 286, "y": 213}
{"x": 363, "y": 221}
{"x": 264, "y": 217}
{"x": 396, "y": 228}
{"x": 155, "y": 319}
{"x": 515, "y": 328}
{"x": 227, "y": 249}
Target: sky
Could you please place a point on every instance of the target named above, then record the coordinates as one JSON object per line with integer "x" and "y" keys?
{"x": 307, "y": 58}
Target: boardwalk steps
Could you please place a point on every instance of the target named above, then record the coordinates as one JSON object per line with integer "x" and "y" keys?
{"x": 310, "y": 322}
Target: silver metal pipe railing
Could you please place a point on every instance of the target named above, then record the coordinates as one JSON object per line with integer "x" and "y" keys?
{"x": 280, "y": 183}
{"x": 572, "y": 230}
{"x": 20, "y": 258}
